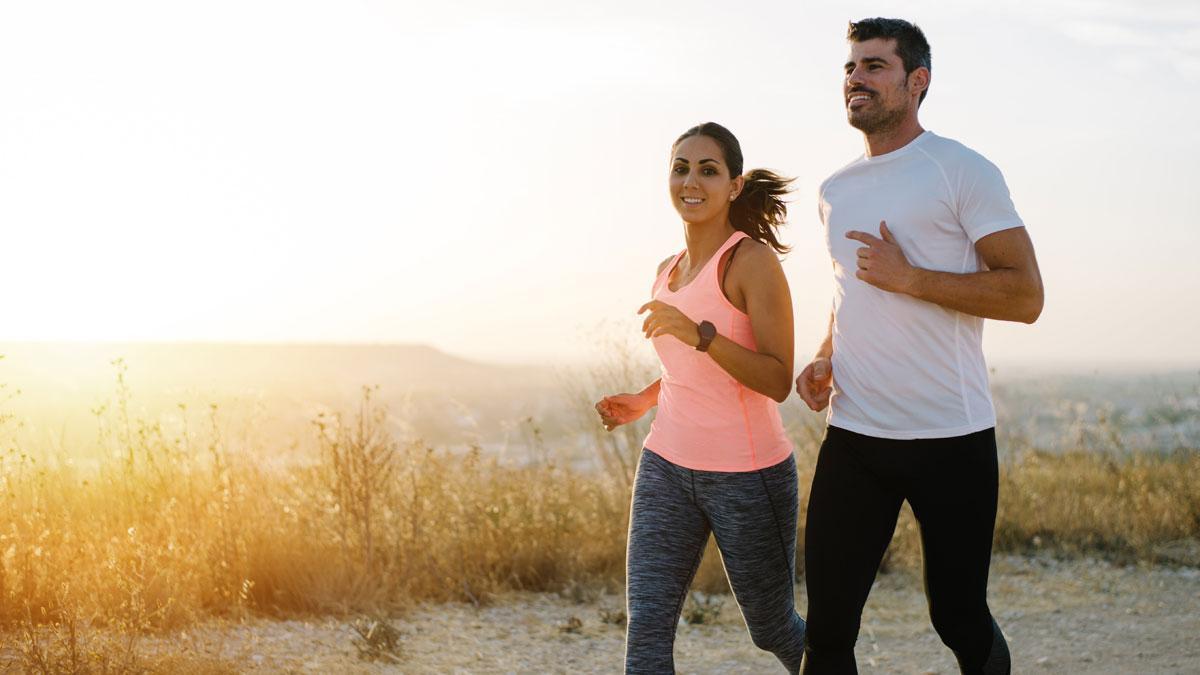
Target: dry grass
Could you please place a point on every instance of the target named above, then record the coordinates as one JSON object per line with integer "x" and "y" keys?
{"x": 1134, "y": 507}
{"x": 168, "y": 529}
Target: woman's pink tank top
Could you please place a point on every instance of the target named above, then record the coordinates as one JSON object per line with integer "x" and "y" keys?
{"x": 706, "y": 419}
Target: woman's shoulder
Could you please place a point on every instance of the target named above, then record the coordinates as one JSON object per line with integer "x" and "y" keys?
{"x": 755, "y": 263}
{"x": 759, "y": 253}
{"x": 663, "y": 265}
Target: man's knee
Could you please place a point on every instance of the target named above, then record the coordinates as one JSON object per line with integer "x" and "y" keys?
{"x": 999, "y": 661}
{"x": 831, "y": 636}
{"x": 995, "y": 660}
{"x": 829, "y": 651}
{"x": 960, "y": 623}
{"x": 977, "y": 643}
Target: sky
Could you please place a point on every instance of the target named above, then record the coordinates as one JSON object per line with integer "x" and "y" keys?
{"x": 491, "y": 178}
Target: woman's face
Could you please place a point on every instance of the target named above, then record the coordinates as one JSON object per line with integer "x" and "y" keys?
{"x": 701, "y": 188}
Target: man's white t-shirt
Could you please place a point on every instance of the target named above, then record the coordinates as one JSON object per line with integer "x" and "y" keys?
{"x": 904, "y": 368}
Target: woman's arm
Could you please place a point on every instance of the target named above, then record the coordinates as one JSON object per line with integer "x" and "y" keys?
{"x": 621, "y": 409}
{"x": 758, "y": 280}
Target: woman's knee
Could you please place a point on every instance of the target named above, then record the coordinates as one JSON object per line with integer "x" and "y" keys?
{"x": 777, "y": 635}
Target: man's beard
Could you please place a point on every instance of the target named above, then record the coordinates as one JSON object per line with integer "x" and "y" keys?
{"x": 878, "y": 121}
{"x": 881, "y": 120}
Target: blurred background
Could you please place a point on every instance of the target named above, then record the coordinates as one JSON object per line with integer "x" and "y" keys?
{"x": 301, "y": 294}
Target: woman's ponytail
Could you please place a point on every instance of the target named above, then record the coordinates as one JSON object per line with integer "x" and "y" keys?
{"x": 759, "y": 209}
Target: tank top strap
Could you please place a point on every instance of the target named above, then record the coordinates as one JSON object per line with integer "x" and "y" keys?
{"x": 733, "y": 239}
{"x": 662, "y": 277}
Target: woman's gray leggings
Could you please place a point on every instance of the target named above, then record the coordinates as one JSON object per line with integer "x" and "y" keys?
{"x": 752, "y": 514}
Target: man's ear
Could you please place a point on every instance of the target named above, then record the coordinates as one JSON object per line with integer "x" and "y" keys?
{"x": 918, "y": 80}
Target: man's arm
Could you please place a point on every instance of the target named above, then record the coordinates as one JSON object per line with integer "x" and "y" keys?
{"x": 1010, "y": 289}
{"x": 825, "y": 351}
{"x": 815, "y": 383}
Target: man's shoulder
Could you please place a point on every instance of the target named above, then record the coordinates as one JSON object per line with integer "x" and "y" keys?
{"x": 839, "y": 173}
{"x": 954, "y": 156}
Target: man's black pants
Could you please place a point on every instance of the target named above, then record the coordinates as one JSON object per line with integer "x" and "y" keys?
{"x": 860, "y": 482}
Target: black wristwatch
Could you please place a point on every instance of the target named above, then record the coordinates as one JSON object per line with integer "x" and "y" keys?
{"x": 707, "y": 332}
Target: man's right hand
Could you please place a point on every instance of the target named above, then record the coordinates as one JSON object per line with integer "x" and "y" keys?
{"x": 815, "y": 383}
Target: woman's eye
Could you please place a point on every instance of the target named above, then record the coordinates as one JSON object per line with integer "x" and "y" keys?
{"x": 710, "y": 172}
{"x": 680, "y": 170}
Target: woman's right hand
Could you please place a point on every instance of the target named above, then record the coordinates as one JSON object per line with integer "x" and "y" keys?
{"x": 621, "y": 409}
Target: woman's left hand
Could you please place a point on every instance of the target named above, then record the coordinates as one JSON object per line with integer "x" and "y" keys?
{"x": 666, "y": 320}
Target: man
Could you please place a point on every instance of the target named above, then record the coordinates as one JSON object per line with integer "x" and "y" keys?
{"x": 925, "y": 244}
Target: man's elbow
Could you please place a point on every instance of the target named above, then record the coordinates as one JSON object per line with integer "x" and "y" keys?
{"x": 1033, "y": 305}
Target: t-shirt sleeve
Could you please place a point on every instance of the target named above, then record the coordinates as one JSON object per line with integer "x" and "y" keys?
{"x": 984, "y": 204}
{"x": 821, "y": 202}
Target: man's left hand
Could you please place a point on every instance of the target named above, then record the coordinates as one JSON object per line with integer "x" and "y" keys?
{"x": 881, "y": 263}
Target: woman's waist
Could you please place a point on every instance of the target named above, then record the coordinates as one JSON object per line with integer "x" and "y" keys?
{"x": 713, "y": 403}
{"x": 718, "y": 444}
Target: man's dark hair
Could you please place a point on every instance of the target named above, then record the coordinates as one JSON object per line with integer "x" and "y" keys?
{"x": 911, "y": 45}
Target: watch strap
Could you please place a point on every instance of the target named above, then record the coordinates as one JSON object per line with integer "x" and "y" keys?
{"x": 707, "y": 333}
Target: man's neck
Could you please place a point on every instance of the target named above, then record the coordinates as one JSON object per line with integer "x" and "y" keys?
{"x": 883, "y": 142}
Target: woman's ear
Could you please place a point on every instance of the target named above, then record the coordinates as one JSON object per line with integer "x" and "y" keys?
{"x": 738, "y": 184}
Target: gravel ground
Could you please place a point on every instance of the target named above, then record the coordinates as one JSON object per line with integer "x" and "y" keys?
{"x": 1060, "y": 617}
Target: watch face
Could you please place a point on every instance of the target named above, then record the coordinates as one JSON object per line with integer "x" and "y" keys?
{"x": 707, "y": 332}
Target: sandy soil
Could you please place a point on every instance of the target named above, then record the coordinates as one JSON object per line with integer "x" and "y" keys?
{"x": 1060, "y": 617}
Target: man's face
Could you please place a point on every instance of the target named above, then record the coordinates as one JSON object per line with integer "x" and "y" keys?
{"x": 876, "y": 88}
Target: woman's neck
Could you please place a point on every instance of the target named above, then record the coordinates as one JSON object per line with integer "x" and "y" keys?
{"x": 703, "y": 239}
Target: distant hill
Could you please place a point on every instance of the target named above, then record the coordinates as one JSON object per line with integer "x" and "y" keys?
{"x": 275, "y": 388}
{"x": 308, "y": 368}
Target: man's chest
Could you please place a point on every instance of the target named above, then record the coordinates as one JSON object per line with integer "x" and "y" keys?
{"x": 919, "y": 210}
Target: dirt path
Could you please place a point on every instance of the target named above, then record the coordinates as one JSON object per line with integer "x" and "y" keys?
{"x": 1060, "y": 617}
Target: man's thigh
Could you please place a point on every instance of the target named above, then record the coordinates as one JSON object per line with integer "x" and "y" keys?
{"x": 954, "y": 502}
{"x": 852, "y": 511}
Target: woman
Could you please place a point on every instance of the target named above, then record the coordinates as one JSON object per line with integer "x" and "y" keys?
{"x": 717, "y": 458}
